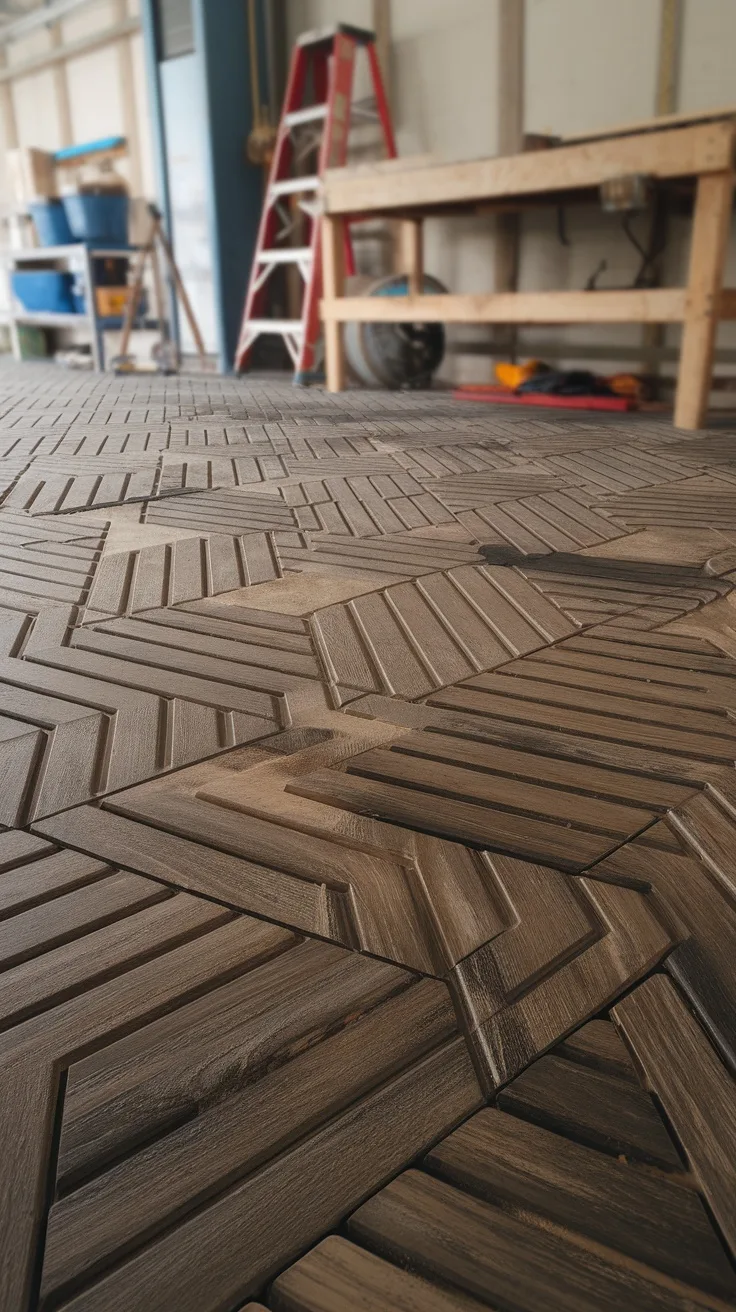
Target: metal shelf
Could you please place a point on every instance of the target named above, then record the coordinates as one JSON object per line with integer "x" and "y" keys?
{"x": 92, "y": 324}
{"x": 38, "y": 254}
{"x": 51, "y": 319}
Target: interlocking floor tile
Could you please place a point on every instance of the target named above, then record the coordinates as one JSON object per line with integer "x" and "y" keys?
{"x": 367, "y": 927}
{"x": 548, "y": 1198}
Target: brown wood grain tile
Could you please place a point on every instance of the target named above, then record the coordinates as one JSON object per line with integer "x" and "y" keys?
{"x": 364, "y": 758}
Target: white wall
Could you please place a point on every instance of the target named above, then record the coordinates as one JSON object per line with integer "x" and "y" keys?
{"x": 95, "y": 88}
{"x": 105, "y": 91}
{"x": 588, "y": 64}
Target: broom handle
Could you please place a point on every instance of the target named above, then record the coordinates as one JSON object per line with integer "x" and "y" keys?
{"x": 182, "y": 293}
{"x": 135, "y": 295}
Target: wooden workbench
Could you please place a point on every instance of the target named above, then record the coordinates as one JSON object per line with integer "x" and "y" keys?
{"x": 702, "y": 153}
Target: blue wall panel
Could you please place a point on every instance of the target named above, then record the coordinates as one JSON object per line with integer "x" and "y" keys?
{"x": 234, "y": 188}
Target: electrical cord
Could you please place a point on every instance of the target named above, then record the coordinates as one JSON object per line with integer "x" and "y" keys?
{"x": 646, "y": 275}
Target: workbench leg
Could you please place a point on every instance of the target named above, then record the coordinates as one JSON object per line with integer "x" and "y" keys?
{"x": 709, "y": 244}
{"x": 333, "y": 287}
{"x": 412, "y": 254}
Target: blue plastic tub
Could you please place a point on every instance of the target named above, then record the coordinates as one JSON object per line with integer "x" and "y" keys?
{"x": 52, "y": 226}
{"x": 102, "y": 219}
{"x": 46, "y": 291}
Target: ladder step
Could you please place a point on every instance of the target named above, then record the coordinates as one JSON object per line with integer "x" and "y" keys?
{"x": 311, "y": 114}
{"x": 285, "y": 255}
{"x": 282, "y": 327}
{"x": 286, "y": 186}
{"x": 322, "y": 35}
{"x": 328, "y": 54}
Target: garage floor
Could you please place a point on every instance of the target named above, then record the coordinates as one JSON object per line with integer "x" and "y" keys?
{"x": 367, "y": 915}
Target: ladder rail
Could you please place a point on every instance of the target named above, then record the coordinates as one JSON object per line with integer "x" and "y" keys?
{"x": 333, "y": 154}
{"x": 331, "y": 59}
{"x": 384, "y": 113}
{"x": 268, "y": 220}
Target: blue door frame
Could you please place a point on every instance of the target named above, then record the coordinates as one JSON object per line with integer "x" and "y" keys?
{"x": 234, "y": 186}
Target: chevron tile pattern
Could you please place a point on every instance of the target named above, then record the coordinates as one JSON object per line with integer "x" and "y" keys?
{"x": 367, "y": 832}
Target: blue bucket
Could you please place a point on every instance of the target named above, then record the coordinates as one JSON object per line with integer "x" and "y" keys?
{"x": 102, "y": 218}
{"x": 52, "y": 227}
{"x": 46, "y": 291}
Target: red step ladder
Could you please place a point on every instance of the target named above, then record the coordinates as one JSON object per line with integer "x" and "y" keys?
{"x": 318, "y": 94}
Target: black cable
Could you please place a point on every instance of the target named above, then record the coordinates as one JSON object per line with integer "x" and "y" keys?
{"x": 646, "y": 273}
{"x": 562, "y": 236}
{"x": 592, "y": 283}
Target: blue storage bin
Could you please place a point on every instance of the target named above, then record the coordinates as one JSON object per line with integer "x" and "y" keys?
{"x": 101, "y": 218}
{"x": 52, "y": 226}
{"x": 44, "y": 291}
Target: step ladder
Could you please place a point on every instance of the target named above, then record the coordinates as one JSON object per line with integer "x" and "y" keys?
{"x": 322, "y": 74}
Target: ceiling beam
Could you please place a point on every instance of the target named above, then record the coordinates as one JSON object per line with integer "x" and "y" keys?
{"x": 81, "y": 47}
{"x": 510, "y": 140}
{"x": 668, "y": 66}
{"x": 510, "y": 77}
{"x": 381, "y": 17}
{"x": 40, "y": 17}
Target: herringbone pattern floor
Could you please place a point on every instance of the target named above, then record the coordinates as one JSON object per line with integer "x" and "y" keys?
{"x": 367, "y": 874}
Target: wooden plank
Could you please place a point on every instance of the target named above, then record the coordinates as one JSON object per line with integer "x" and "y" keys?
{"x": 585, "y": 675}
{"x": 102, "y": 1217}
{"x": 181, "y": 634}
{"x": 36, "y": 930}
{"x": 29, "y": 1071}
{"x": 584, "y": 778}
{"x": 658, "y": 122}
{"x": 349, "y": 1158}
{"x": 659, "y": 305}
{"x": 17, "y": 847}
{"x": 307, "y": 903}
{"x": 685, "y": 1074}
{"x": 502, "y": 1158}
{"x": 682, "y": 775}
{"x": 337, "y": 1275}
{"x": 148, "y": 665}
{"x": 452, "y": 780}
{"x": 709, "y": 244}
{"x": 63, "y": 971}
{"x": 131, "y": 1092}
{"x": 413, "y": 638}
{"x": 456, "y": 1240}
{"x": 523, "y": 836}
{"x": 333, "y": 286}
{"x": 599, "y": 1045}
{"x": 692, "y": 880}
{"x": 676, "y": 153}
{"x": 47, "y": 877}
{"x": 632, "y": 727}
{"x": 594, "y": 1108}
{"x": 600, "y": 936}
{"x": 29, "y": 1100}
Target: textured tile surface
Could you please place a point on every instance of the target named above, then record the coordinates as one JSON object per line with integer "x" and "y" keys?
{"x": 366, "y": 852}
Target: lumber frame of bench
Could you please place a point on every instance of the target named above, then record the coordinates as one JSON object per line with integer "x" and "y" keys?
{"x": 705, "y": 152}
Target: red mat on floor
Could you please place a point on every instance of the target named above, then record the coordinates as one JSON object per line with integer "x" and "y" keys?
{"x": 502, "y": 396}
